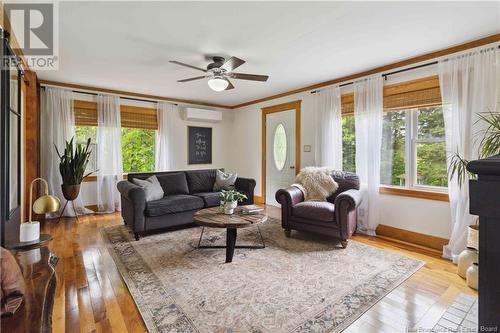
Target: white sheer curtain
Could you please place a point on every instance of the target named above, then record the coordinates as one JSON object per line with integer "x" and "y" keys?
{"x": 109, "y": 153}
{"x": 164, "y": 136}
{"x": 58, "y": 126}
{"x": 368, "y": 113}
{"x": 469, "y": 85}
{"x": 329, "y": 128}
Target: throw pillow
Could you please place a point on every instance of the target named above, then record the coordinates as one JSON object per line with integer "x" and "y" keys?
{"x": 224, "y": 181}
{"x": 151, "y": 187}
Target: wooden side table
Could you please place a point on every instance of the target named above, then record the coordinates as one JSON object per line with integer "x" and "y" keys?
{"x": 37, "y": 265}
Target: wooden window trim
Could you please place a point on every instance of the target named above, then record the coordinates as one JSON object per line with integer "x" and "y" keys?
{"x": 89, "y": 179}
{"x": 414, "y": 193}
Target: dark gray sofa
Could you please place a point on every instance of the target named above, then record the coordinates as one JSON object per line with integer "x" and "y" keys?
{"x": 185, "y": 193}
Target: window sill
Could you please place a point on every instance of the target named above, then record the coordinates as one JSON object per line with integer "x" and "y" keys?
{"x": 413, "y": 193}
{"x": 94, "y": 178}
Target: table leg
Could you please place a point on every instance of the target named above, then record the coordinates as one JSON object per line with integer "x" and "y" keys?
{"x": 230, "y": 243}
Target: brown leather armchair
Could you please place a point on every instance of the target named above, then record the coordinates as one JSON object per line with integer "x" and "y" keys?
{"x": 335, "y": 217}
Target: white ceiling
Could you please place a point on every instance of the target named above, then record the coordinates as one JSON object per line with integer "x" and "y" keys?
{"x": 127, "y": 45}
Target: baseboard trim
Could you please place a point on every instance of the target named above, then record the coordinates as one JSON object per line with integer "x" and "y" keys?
{"x": 412, "y": 237}
{"x": 92, "y": 207}
{"x": 258, "y": 199}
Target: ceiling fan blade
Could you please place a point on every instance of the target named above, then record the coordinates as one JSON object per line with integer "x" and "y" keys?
{"x": 186, "y": 65}
{"x": 192, "y": 79}
{"x": 251, "y": 77}
{"x": 232, "y": 64}
{"x": 230, "y": 86}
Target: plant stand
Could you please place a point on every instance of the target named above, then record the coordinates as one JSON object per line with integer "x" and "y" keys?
{"x": 64, "y": 208}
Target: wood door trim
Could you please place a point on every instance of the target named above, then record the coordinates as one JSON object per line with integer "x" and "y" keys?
{"x": 294, "y": 105}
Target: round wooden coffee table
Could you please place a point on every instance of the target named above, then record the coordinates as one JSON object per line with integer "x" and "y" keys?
{"x": 214, "y": 218}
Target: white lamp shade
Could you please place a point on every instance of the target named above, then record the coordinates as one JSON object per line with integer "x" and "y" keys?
{"x": 218, "y": 84}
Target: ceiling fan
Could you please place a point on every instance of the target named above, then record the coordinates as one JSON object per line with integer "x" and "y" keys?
{"x": 220, "y": 71}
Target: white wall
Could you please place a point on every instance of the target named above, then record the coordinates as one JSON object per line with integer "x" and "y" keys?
{"x": 418, "y": 215}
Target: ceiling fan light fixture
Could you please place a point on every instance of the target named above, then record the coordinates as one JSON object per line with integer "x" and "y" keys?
{"x": 218, "y": 84}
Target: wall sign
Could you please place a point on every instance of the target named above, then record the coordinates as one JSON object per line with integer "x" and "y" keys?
{"x": 199, "y": 145}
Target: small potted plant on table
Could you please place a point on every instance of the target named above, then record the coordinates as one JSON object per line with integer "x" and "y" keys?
{"x": 229, "y": 200}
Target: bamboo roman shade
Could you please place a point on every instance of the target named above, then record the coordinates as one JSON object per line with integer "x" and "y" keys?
{"x": 131, "y": 116}
{"x": 85, "y": 113}
{"x": 411, "y": 94}
{"x": 405, "y": 95}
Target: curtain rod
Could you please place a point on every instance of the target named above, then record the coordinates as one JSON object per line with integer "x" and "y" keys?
{"x": 392, "y": 73}
{"x": 129, "y": 98}
{"x": 387, "y": 74}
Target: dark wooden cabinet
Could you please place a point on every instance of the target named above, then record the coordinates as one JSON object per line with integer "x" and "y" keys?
{"x": 485, "y": 202}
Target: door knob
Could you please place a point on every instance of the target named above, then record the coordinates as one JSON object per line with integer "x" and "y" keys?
{"x": 292, "y": 167}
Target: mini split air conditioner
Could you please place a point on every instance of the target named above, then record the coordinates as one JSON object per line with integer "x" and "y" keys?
{"x": 194, "y": 114}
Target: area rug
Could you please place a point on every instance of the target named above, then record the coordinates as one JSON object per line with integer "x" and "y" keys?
{"x": 305, "y": 283}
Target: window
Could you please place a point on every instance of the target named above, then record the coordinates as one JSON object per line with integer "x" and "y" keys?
{"x": 138, "y": 124}
{"x": 138, "y": 148}
{"x": 82, "y": 133}
{"x": 279, "y": 145}
{"x": 348, "y": 144}
{"x": 392, "y": 161}
{"x": 413, "y": 148}
{"x": 429, "y": 147}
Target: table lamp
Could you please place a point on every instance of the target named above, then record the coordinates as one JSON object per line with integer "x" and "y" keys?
{"x": 30, "y": 231}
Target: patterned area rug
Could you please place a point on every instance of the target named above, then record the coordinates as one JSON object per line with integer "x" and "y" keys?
{"x": 305, "y": 283}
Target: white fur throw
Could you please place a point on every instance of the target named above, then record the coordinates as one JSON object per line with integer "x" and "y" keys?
{"x": 316, "y": 183}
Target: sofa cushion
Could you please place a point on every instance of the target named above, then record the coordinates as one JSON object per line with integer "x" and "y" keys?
{"x": 200, "y": 181}
{"x": 315, "y": 210}
{"x": 224, "y": 181}
{"x": 174, "y": 183}
{"x": 211, "y": 199}
{"x": 175, "y": 203}
{"x": 151, "y": 187}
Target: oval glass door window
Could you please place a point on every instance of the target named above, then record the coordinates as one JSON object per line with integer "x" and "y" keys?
{"x": 279, "y": 147}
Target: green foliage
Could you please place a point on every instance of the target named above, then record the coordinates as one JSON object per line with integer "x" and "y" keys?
{"x": 488, "y": 146}
{"x": 138, "y": 149}
{"x": 490, "y": 143}
{"x": 348, "y": 144}
{"x": 232, "y": 195}
{"x": 392, "y": 164}
{"x": 73, "y": 162}
{"x": 431, "y": 150}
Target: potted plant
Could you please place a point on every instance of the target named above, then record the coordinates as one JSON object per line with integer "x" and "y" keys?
{"x": 229, "y": 200}
{"x": 72, "y": 164}
{"x": 488, "y": 146}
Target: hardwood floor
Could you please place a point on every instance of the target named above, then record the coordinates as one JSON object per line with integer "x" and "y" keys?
{"x": 91, "y": 296}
